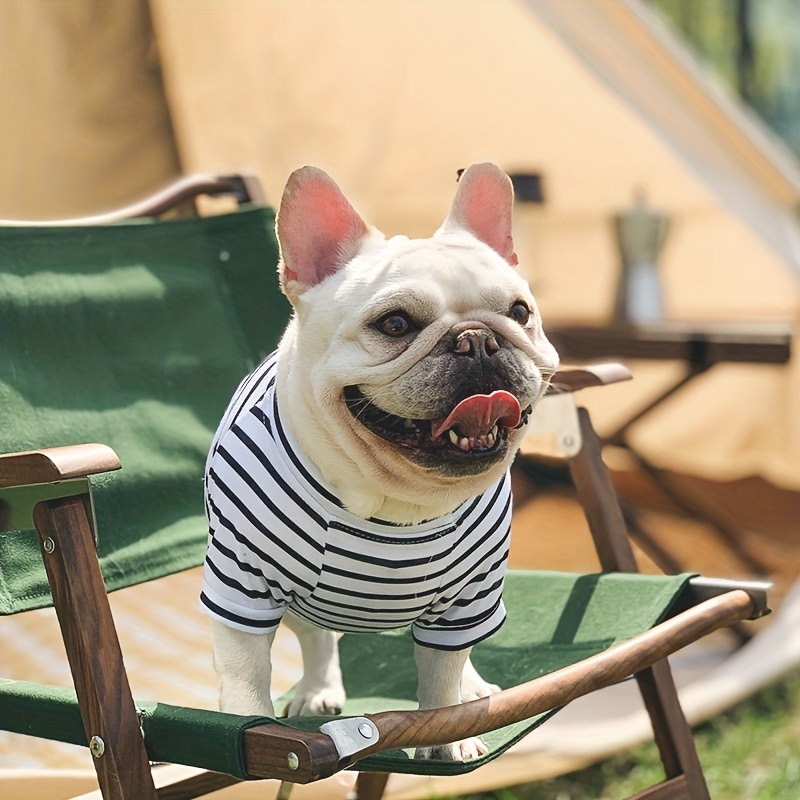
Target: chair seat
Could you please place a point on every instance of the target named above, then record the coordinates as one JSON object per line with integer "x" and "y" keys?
{"x": 554, "y": 619}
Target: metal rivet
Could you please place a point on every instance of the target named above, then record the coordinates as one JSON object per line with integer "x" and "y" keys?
{"x": 365, "y": 729}
{"x": 224, "y": 255}
{"x": 569, "y": 441}
{"x": 97, "y": 746}
{"x": 292, "y": 761}
{"x": 49, "y": 545}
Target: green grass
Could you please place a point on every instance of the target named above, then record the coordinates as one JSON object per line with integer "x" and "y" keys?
{"x": 751, "y": 752}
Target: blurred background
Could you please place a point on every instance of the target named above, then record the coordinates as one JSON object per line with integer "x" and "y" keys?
{"x": 674, "y": 120}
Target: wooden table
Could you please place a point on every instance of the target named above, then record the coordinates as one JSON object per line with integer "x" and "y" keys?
{"x": 700, "y": 347}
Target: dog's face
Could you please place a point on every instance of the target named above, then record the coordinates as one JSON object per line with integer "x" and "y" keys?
{"x": 411, "y": 366}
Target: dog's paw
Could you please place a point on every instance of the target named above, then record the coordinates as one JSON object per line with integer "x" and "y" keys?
{"x": 465, "y": 750}
{"x": 475, "y": 689}
{"x": 473, "y": 686}
{"x": 314, "y": 701}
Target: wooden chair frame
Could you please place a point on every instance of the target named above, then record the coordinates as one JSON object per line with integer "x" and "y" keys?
{"x": 67, "y": 540}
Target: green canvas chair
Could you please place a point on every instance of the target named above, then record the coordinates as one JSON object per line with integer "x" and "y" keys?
{"x": 135, "y": 334}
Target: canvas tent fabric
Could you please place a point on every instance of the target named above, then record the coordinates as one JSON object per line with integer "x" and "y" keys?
{"x": 85, "y": 120}
{"x": 392, "y": 98}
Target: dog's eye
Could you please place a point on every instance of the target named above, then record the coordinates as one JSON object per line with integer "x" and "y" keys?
{"x": 396, "y": 324}
{"x": 520, "y": 313}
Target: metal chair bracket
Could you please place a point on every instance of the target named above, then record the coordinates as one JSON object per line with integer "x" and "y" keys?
{"x": 351, "y": 735}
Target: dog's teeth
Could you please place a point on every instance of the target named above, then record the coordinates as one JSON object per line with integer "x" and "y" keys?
{"x": 484, "y": 442}
{"x": 408, "y": 423}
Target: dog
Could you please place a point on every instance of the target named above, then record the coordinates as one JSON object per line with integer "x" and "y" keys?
{"x": 359, "y": 478}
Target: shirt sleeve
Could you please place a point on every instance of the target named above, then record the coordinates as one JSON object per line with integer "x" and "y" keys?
{"x": 237, "y": 591}
{"x": 258, "y": 558}
{"x": 467, "y": 622}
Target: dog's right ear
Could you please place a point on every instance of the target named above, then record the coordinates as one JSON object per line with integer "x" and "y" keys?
{"x": 318, "y": 230}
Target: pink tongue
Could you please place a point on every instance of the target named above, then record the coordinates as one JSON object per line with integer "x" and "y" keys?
{"x": 478, "y": 414}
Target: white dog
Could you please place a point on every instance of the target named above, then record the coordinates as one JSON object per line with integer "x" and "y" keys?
{"x": 359, "y": 479}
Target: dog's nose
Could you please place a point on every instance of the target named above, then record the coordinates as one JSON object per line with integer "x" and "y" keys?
{"x": 476, "y": 343}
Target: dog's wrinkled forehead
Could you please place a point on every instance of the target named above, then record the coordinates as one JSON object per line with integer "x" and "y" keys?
{"x": 460, "y": 262}
{"x": 453, "y": 273}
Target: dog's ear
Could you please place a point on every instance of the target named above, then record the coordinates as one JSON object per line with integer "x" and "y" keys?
{"x": 318, "y": 230}
{"x": 482, "y": 206}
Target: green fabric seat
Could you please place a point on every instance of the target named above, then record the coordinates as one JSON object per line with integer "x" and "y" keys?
{"x": 554, "y": 619}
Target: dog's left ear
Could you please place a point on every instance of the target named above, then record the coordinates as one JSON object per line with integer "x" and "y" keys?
{"x": 482, "y": 206}
{"x": 318, "y": 230}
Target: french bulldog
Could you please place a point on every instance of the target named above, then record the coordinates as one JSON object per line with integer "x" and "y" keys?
{"x": 359, "y": 479}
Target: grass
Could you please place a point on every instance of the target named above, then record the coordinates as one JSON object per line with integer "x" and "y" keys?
{"x": 751, "y": 752}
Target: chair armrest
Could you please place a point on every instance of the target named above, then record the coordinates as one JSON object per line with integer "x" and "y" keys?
{"x": 571, "y": 379}
{"x": 302, "y": 756}
{"x": 554, "y": 431}
{"x": 56, "y": 464}
{"x": 430, "y": 727}
{"x": 244, "y": 188}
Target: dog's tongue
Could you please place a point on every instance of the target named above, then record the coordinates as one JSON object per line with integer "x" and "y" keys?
{"x": 478, "y": 414}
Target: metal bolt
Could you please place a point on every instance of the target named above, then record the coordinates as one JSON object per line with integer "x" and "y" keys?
{"x": 97, "y": 746}
{"x": 49, "y": 545}
{"x": 292, "y": 761}
{"x": 365, "y": 729}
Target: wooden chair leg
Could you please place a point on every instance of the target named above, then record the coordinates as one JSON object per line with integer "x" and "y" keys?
{"x": 598, "y": 498}
{"x": 673, "y": 789}
{"x": 370, "y": 785}
{"x": 93, "y": 651}
{"x": 672, "y": 733}
{"x": 177, "y": 782}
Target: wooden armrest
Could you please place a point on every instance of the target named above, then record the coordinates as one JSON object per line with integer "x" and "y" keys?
{"x": 56, "y": 464}
{"x": 571, "y": 379}
{"x": 430, "y": 727}
{"x": 297, "y": 756}
{"x": 243, "y": 188}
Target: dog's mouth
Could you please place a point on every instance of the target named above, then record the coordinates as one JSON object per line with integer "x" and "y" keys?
{"x": 477, "y": 427}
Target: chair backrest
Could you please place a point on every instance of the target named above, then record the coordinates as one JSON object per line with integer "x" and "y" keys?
{"x": 134, "y": 335}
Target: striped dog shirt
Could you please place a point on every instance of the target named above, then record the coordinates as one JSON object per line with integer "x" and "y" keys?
{"x": 279, "y": 538}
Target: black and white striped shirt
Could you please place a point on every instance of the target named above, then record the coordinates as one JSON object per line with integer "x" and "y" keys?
{"x": 279, "y": 537}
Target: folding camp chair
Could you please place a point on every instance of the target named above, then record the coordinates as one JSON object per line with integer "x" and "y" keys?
{"x": 135, "y": 334}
